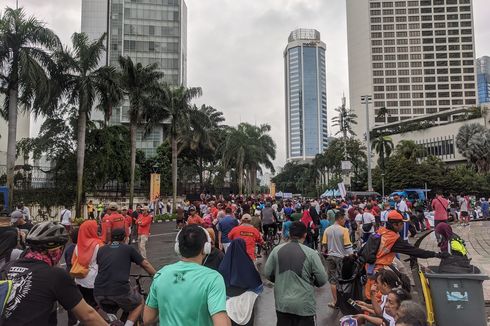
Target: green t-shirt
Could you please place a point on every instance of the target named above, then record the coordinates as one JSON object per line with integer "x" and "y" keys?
{"x": 187, "y": 294}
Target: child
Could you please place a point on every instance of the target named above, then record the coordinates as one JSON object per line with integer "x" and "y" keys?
{"x": 285, "y": 227}
{"x": 324, "y": 224}
{"x": 384, "y": 213}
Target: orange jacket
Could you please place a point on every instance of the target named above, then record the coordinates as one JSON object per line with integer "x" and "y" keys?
{"x": 385, "y": 257}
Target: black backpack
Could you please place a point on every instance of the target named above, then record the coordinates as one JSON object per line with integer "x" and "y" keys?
{"x": 369, "y": 250}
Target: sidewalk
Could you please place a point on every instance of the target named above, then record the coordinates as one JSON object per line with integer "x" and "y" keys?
{"x": 477, "y": 238}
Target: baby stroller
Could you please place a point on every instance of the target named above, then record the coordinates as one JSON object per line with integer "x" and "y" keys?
{"x": 349, "y": 285}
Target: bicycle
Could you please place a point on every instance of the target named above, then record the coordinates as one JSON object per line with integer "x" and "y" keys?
{"x": 272, "y": 239}
{"x": 43, "y": 216}
{"x": 110, "y": 309}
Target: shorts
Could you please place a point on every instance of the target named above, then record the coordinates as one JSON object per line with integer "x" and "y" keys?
{"x": 333, "y": 265}
{"x": 464, "y": 214}
{"x": 126, "y": 302}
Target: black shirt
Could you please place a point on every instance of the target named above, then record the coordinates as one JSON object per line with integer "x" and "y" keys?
{"x": 37, "y": 287}
{"x": 114, "y": 262}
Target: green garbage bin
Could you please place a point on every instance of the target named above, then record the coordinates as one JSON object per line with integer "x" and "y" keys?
{"x": 458, "y": 299}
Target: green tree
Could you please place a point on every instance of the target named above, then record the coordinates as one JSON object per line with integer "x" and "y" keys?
{"x": 25, "y": 44}
{"x": 141, "y": 85}
{"x": 410, "y": 150}
{"x": 205, "y": 139}
{"x": 344, "y": 119}
{"x": 83, "y": 82}
{"x": 175, "y": 114}
{"x": 383, "y": 145}
{"x": 473, "y": 142}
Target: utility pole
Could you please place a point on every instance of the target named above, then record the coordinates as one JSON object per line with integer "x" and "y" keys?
{"x": 365, "y": 100}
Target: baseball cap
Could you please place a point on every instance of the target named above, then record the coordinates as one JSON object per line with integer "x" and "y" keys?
{"x": 396, "y": 216}
{"x": 15, "y": 216}
{"x": 246, "y": 217}
{"x": 145, "y": 208}
{"x": 124, "y": 208}
{"x": 113, "y": 206}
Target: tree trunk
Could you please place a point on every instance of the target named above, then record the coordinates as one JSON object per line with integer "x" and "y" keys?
{"x": 11, "y": 144}
{"x": 253, "y": 179}
{"x": 240, "y": 178}
{"x": 173, "y": 143}
{"x": 82, "y": 129}
{"x": 132, "y": 129}
{"x": 201, "y": 177}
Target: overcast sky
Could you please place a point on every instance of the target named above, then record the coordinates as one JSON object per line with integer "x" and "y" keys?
{"x": 235, "y": 50}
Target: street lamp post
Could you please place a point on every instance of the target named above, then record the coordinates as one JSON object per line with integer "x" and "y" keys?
{"x": 365, "y": 100}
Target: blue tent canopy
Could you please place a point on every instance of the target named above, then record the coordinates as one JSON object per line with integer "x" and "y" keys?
{"x": 331, "y": 193}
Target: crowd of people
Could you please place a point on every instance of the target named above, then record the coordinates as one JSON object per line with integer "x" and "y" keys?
{"x": 219, "y": 241}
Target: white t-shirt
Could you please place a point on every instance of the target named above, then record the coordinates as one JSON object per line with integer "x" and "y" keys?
{"x": 65, "y": 217}
{"x": 402, "y": 206}
{"x": 366, "y": 218}
{"x": 93, "y": 269}
{"x": 384, "y": 216}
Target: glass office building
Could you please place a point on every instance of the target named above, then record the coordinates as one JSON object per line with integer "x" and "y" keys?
{"x": 306, "y": 95}
{"x": 483, "y": 79}
{"x": 148, "y": 31}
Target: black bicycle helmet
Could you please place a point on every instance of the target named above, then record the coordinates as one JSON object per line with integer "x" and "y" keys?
{"x": 47, "y": 235}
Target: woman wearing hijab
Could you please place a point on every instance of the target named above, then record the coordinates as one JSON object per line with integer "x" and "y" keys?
{"x": 85, "y": 251}
{"x": 243, "y": 283}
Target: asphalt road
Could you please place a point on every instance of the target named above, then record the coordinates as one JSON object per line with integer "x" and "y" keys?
{"x": 160, "y": 253}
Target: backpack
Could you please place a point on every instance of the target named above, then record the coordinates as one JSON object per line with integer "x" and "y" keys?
{"x": 369, "y": 250}
{"x": 457, "y": 246}
{"x": 366, "y": 227}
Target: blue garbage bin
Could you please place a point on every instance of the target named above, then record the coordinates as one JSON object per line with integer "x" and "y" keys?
{"x": 458, "y": 299}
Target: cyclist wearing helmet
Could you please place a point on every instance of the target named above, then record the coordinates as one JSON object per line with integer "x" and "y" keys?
{"x": 38, "y": 284}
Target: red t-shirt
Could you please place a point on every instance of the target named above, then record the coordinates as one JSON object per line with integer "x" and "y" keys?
{"x": 111, "y": 222}
{"x": 128, "y": 220}
{"x": 144, "y": 223}
{"x": 248, "y": 233}
{"x": 196, "y": 219}
{"x": 376, "y": 210}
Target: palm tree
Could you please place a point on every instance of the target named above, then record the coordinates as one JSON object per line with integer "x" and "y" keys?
{"x": 141, "y": 85}
{"x": 235, "y": 149}
{"x": 204, "y": 138}
{"x": 344, "y": 119}
{"x": 473, "y": 142}
{"x": 383, "y": 113}
{"x": 383, "y": 145}
{"x": 261, "y": 152}
{"x": 83, "y": 82}
{"x": 25, "y": 44}
{"x": 409, "y": 149}
{"x": 176, "y": 117}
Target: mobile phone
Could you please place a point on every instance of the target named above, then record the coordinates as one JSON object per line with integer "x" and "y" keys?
{"x": 354, "y": 304}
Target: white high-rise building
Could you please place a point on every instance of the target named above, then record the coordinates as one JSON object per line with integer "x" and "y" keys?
{"x": 306, "y": 95}
{"x": 148, "y": 31}
{"x": 414, "y": 57}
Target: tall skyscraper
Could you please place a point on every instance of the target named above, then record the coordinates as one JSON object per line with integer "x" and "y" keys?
{"x": 483, "y": 78}
{"x": 306, "y": 95}
{"x": 415, "y": 57}
{"x": 149, "y": 31}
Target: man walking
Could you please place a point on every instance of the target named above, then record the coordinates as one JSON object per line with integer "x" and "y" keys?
{"x": 337, "y": 245}
{"x": 187, "y": 293}
{"x": 296, "y": 270}
{"x": 440, "y": 205}
{"x": 225, "y": 225}
{"x": 248, "y": 233}
{"x": 144, "y": 223}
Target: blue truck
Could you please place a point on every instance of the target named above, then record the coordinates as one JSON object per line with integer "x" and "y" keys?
{"x": 412, "y": 194}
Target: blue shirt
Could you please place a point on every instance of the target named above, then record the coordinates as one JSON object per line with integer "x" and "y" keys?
{"x": 288, "y": 211}
{"x": 324, "y": 224}
{"x": 285, "y": 228}
{"x": 225, "y": 225}
{"x": 485, "y": 206}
